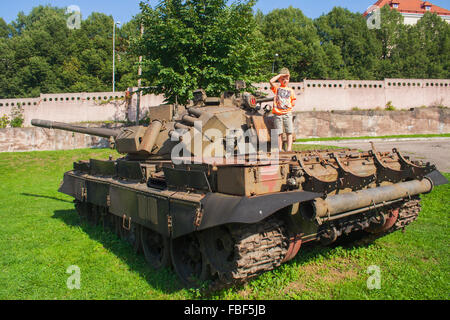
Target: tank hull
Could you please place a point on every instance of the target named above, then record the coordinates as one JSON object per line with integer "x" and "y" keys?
{"x": 177, "y": 216}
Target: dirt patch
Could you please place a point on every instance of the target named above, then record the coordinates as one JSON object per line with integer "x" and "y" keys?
{"x": 330, "y": 272}
{"x": 245, "y": 293}
{"x": 296, "y": 286}
{"x": 341, "y": 269}
{"x": 338, "y": 275}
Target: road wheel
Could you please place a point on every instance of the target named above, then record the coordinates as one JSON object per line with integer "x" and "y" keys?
{"x": 156, "y": 248}
{"x": 189, "y": 262}
{"x": 132, "y": 236}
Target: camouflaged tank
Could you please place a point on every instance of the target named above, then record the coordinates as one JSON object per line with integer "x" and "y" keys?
{"x": 230, "y": 207}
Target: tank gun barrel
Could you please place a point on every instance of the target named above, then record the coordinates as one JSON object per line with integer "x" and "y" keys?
{"x": 99, "y": 132}
{"x": 262, "y": 100}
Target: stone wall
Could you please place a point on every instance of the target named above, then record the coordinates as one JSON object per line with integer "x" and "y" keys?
{"x": 39, "y": 139}
{"x": 310, "y": 124}
{"x": 371, "y": 123}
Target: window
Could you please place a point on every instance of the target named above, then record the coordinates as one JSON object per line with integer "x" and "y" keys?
{"x": 395, "y": 5}
{"x": 428, "y": 8}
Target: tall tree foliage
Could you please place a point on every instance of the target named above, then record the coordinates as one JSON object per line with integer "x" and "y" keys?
{"x": 390, "y": 35}
{"x": 356, "y": 44}
{"x": 4, "y": 29}
{"x": 209, "y": 44}
{"x": 433, "y": 36}
{"x": 198, "y": 44}
{"x": 293, "y": 42}
{"x": 40, "y": 54}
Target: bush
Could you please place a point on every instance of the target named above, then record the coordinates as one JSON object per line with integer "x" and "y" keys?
{"x": 389, "y": 106}
{"x": 4, "y": 121}
{"x": 17, "y": 118}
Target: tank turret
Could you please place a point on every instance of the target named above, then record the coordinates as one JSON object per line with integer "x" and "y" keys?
{"x": 172, "y": 125}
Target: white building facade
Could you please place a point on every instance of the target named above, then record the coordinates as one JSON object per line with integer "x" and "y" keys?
{"x": 411, "y": 10}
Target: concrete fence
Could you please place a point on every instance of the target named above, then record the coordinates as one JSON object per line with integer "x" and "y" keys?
{"x": 327, "y": 95}
{"x": 312, "y": 95}
{"x": 80, "y": 107}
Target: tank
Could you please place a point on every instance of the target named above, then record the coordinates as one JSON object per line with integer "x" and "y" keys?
{"x": 204, "y": 189}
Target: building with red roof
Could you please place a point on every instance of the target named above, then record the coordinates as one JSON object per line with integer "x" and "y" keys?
{"x": 411, "y": 10}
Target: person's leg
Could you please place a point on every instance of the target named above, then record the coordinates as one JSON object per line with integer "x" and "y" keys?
{"x": 289, "y": 142}
{"x": 289, "y": 129}
{"x": 280, "y": 142}
{"x": 278, "y": 125}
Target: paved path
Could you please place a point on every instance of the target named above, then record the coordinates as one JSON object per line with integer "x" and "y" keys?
{"x": 434, "y": 150}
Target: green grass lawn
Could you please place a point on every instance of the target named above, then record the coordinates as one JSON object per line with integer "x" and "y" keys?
{"x": 41, "y": 236}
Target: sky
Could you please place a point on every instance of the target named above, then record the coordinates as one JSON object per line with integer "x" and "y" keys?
{"x": 124, "y": 10}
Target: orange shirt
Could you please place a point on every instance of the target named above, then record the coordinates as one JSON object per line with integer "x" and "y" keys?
{"x": 284, "y": 100}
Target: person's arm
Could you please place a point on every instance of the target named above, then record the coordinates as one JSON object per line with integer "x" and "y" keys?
{"x": 274, "y": 80}
{"x": 293, "y": 98}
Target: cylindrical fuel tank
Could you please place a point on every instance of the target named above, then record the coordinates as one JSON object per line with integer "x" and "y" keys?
{"x": 364, "y": 198}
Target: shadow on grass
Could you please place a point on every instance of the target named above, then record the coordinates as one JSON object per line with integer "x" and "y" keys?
{"x": 43, "y": 196}
{"x": 163, "y": 280}
{"x": 310, "y": 251}
{"x": 166, "y": 280}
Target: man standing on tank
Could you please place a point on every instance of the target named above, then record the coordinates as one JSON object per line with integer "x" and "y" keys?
{"x": 283, "y": 104}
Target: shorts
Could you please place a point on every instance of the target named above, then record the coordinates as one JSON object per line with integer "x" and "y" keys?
{"x": 286, "y": 121}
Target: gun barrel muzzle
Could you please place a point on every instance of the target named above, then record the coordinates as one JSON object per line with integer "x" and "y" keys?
{"x": 99, "y": 132}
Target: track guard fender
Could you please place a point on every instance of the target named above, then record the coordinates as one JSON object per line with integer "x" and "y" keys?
{"x": 220, "y": 209}
{"x": 437, "y": 178}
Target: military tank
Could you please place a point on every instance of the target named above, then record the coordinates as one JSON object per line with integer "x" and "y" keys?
{"x": 204, "y": 189}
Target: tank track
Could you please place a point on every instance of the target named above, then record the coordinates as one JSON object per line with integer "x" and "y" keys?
{"x": 408, "y": 212}
{"x": 258, "y": 248}
{"x": 262, "y": 247}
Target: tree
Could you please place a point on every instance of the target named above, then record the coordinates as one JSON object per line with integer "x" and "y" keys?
{"x": 390, "y": 35}
{"x": 413, "y": 60}
{"x": 294, "y": 38}
{"x": 358, "y": 46}
{"x": 127, "y": 68}
{"x": 4, "y": 29}
{"x": 8, "y": 81}
{"x": 433, "y": 36}
{"x": 198, "y": 44}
